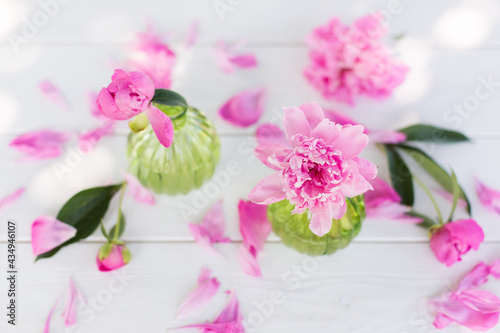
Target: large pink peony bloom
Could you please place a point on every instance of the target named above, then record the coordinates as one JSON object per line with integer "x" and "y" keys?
{"x": 130, "y": 94}
{"x": 351, "y": 60}
{"x": 318, "y": 170}
{"x": 454, "y": 239}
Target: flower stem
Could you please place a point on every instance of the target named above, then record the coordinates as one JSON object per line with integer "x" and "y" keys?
{"x": 429, "y": 194}
{"x": 118, "y": 223}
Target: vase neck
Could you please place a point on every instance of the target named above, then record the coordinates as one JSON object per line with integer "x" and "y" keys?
{"x": 178, "y": 115}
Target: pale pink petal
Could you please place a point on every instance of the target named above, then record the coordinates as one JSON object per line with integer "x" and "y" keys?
{"x": 192, "y": 35}
{"x": 202, "y": 237}
{"x": 206, "y": 290}
{"x": 351, "y": 141}
{"x": 269, "y": 133}
{"x": 391, "y": 137}
{"x": 356, "y": 185}
{"x": 94, "y": 109}
{"x": 295, "y": 122}
{"x": 475, "y": 278}
{"x": 449, "y": 197}
{"x": 249, "y": 262}
{"x": 340, "y": 118}
{"x": 136, "y": 190}
{"x": 231, "y": 313}
{"x": 88, "y": 140}
{"x": 53, "y": 94}
{"x": 321, "y": 223}
{"x": 11, "y": 198}
{"x": 327, "y": 130}
{"x": 314, "y": 114}
{"x": 162, "y": 126}
{"x": 228, "y": 61}
{"x": 71, "y": 304}
{"x": 245, "y": 108}
{"x": 489, "y": 197}
{"x": 46, "y": 328}
{"x": 38, "y": 145}
{"x": 254, "y": 225}
{"x": 48, "y": 233}
{"x": 269, "y": 190}
{"x": 366, "y": 168}
{"x": 265, "y": 151}
{"x": 495, "y": 269}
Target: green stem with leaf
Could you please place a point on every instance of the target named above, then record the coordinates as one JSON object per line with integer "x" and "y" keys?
{"x": 118, "y": 222}
{"x": 433, "y": 200}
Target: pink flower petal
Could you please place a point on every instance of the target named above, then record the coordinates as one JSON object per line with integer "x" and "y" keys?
{"x": 113, "y": 261}
{"x": 136, "y": 190}
{"x": 248, "y": 261}
{"x": 295, "y": 122}
{"x": 48, "y": 233}
{"x": 71, "y": 304}
{"x": 228, "y": 61}
{"x": 351, "y": 141}
{"x": 53, "y": 94}
{"x": 340, "y": 118}
{"x": 265, "y": 151}
{"x": 10, "y": 199}
{"x": 206, "y": 290}
{"x": 162, "y": 126}
{"x": 211, "y": 229}
{"x": 314, "y": 114}
{"x": 269, "y": 190}
{"x": 46, "y": 328}
{"x": 88, "y": 140}
{"x": 475, "y": 278}
{"x": 321, "y": 223}
{"x": 327, "y": 130}
{"x": 391, "y": 137}
{"x": 489, "y": 197}
{"x": 192, "y": 35}
{"x": 38, "y": 145}
{"x": 269, "y": 133}
{"x": 254, "y": 225}
{"x": 94, "y": 109}
{"x": 245, "y": 108}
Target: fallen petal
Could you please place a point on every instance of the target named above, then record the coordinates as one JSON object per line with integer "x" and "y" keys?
{"x": 11, "y": 198}
{"x": 245, "y": 108}
{"x": 489, "y": 197}
{"x": 38, "y": 145}
{"x": 48, "y": 233}
{"x": 206, "y": 290}
{"x": 136, "y": 190}
{"x": 53, "y": 94}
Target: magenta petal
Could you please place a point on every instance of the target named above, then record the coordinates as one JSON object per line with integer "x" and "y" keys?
{"x": 48, "y": 233}
{"x": 254, "y": 225}
{"x": 71, "y": 304}
{"x": 475, "y": 278}
{"x": 466, "y": 231}
{"x": 295, "y": 122}
{"x": 269, "y": 190}
{"x": 206, "y": 290}
{"x": 314, "y": 114}
{"x": 351, "y": 141}
{"x": 495, "y": 269}
{"x": 269, "y": 133}
{"x": 136, "y": 190}
{"x": 231, "y": 313}
{"x": 107, "y": 106}
{"x": 245, "y": 108}
{"x": 11, "y": 198}
{"x": 41, "y": 144}
{"x": 489, "y": 197}
{"x": 321, "y": 223}
{"x": 53, "y": 94}
{"x": 249, "y": 262}
{"x": 113, "y": 261}
{"x": 392, "y": 137}
{"x": 46, "y": 328}
{"x": 162, "y": 126}
{"x": 228, "y": 61}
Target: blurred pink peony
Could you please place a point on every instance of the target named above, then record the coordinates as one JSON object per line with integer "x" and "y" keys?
{"x": 351, "y": 60}
{"x": 318, "y": 170}
{"x": 454, "y": 239}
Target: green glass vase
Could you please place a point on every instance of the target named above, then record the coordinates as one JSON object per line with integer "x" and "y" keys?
{"x": 186, "y": 164}
{"x": 294, "y": 229}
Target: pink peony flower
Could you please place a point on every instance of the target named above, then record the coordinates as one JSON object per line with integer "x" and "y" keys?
{"x": 154, "y": 57}
{"x": 385, "y": 202}
{"x": 318, "y": 170}
{"x": 118, "y": 257}
{"x": 351, "y": 60}
{"x": 476, "y": 309}
{"x": 454, "y": 239}
{"x": 130, "y": 94}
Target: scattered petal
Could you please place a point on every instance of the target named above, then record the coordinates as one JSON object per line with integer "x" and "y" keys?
{"x": 39, "y": 145}
{"x": 88, "y": 140}
{"x": 245, "y": 108}
{"x": 489, "y": 197}
{"x": 136, "y": 190}
{"x": 192, "y": 34}
{"x": 48, "y": 233}
{"x": 207, "y": 288}
{"x": 10, "y": 199}
{"x": 248, "y": 260}
{"x": 228, "y": 61}
{"x": 53, "y": 94}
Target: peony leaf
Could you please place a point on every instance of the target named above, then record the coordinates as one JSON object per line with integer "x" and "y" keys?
{"x": 120, "y": 230}
{"x": 427, "y": 221}
{"x": 433, "y": 134}
{"x": 170, "y": 102}
{"x": 455, "y": 188}
{"x": 401, "y": 177}
{"x": 434, "y": 170}
{"x": 84, "y": 211}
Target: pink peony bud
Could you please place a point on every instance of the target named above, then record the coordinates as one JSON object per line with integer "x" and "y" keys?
{"x": 112, "y": 256}
{"x": 454, "y": 239}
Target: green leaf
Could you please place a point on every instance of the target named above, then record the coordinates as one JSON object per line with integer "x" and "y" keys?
{"x": 455, "y": 188}
{"x": 104, "y": 232}
{"x": 121, "y": 230}
{"x": 84, "y": 211}
{"x": 428, "y": 133}
{"x": 436, "y": 171}
{"x": 401, "y": 178}
{"x": 426, "y": 223}
{"x": 169, "y": 102}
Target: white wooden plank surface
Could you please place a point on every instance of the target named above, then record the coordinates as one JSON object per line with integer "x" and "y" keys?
{"x": 379, "y": 284}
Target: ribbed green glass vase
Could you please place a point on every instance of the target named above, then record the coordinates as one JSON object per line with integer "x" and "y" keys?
{"x": 186, "y": 164}
{"x": 294, "y": 229}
